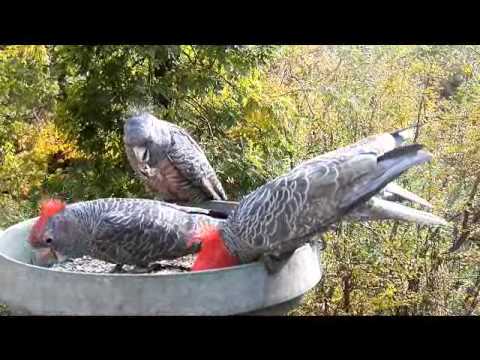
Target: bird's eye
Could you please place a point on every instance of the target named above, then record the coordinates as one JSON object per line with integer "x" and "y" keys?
{"x": 48, "y": 240}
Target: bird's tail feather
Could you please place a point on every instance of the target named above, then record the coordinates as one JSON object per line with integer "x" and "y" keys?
{"x": 393, "y": 191}
{"x": 390, "y": 166}
{"x": 380, "y": 209}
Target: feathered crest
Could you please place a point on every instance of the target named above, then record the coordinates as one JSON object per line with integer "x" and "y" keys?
{"x": 48, "y": 208}
{"x": 138, "y": 109}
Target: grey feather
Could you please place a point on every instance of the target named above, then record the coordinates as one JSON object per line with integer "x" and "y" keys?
{"x": 169, "y": 161}
{"x": 128, "y": 231}
{"x": 379, "y": 144}
{"x": 379, "y": 209}
{"x": 394, "y": 192}
{"x": 290, "y": 210}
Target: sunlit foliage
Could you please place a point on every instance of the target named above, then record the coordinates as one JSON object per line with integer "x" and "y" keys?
{"x": 258, "y": 111}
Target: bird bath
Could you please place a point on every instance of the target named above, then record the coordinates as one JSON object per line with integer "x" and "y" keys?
{"x": 28, "y": 289}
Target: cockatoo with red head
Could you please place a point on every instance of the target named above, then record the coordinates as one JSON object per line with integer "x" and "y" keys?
{"x": 273, "y": 221}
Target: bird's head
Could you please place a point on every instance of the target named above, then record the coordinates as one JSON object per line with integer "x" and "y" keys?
{"x": 56, "y": 232}
{"x": 213, "y": 253}
{"x": 148, "y": 138}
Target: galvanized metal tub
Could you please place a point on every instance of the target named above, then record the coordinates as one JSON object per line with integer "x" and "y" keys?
{"x": 28, "y": 289}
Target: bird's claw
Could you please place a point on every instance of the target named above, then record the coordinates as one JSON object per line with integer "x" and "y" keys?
{"x": 140, "y": 270}
{"x": 321, "y": 241}
{"x": 158, "y": 267}
{"x": 274, "y": 263}
{"x": 117, "y": 269}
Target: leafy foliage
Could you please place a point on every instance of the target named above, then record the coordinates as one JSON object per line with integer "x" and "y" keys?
{"x": 258, "y": 111}
{"x": 4, "y": 310}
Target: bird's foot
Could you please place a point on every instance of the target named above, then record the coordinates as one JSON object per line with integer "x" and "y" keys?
{"x": 274, "y": 263}
{"x": 321, "y": 242}
{"x": 117, "y": 269}
{"x": 159, "y": 267}
{"x": 140, "y": 270}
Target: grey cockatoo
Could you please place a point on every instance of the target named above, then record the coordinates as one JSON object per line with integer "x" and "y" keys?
{"x": 386, "y": 204}
{"x": 169, "y": 161}
{"x": 122, "y": 231}
{"x": 287, "y": 212}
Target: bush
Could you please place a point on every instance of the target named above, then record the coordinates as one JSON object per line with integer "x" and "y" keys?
{"x": 258, "y": 111}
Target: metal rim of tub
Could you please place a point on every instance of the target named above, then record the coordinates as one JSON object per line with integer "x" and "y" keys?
{"x": 30, "y": 289}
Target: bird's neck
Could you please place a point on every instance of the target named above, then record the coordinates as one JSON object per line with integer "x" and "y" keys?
{"x": 80, "y": 229}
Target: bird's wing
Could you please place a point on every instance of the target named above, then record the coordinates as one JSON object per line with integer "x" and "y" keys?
{"x": 388, "y": 167}
{"x": 380, "y": 144}
{"x": 190, "y": 161}
{"x": 131, "y": 238}
{"x": 281, "y": 210}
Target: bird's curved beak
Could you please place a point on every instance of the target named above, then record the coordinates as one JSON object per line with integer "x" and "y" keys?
{"x": 59, "y": 256}
{"x": 44, "y": 257}
{"x": 140, "y": 153}
{"x": 145, "y": 170}
{"x": 47, "y": 256}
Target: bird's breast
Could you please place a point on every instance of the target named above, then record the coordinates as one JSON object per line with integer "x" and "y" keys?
{"x": 166, "y": 179}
